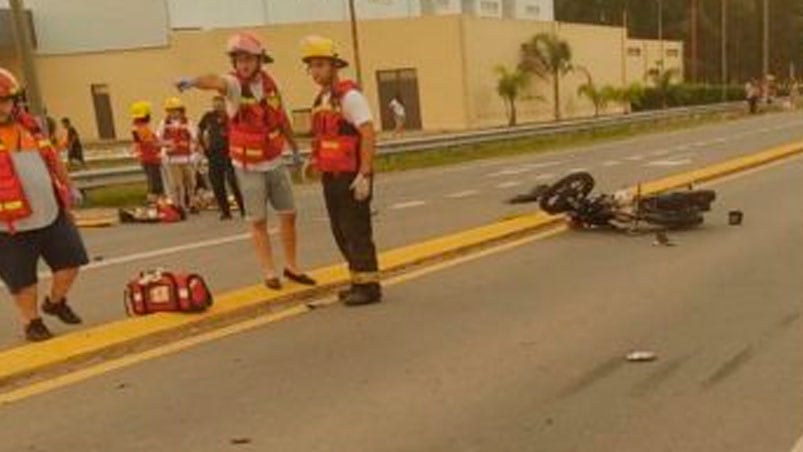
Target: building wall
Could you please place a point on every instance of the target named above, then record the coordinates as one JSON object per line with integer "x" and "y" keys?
{"x": 644, "y": 55}
{"x": 429, "y": 44}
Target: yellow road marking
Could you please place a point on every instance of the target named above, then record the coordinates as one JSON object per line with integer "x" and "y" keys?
{"x": 26, "y": 359}
{"x": 183, "y": 344}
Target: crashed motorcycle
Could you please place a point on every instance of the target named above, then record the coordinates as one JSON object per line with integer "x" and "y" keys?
{"x": 572, "y": 195}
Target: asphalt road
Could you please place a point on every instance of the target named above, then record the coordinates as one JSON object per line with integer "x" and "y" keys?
{"x": 520, "y": 351}
{"x": 412, "y": 206}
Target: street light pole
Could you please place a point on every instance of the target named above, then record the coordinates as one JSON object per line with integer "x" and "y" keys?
{"x": 724, "y": 58}
{"x": 661, "y": 33}
{"x": 766, "y": 62}
{"x": 21, "y": 31}
{"x": 355, "y": 41}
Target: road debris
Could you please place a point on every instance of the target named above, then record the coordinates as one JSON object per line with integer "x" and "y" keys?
{"x": 240, "y": 441}
{"x": 735, "y": 217}
{"x": 641, "y": 356}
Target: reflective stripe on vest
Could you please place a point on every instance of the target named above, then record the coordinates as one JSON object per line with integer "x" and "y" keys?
{"x": 181, "y": 138}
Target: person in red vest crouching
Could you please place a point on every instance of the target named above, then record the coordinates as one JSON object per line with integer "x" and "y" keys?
{"x": 343, "y": 152}
{"x": 258, "y": 131}
{"x": 35, "y": 220}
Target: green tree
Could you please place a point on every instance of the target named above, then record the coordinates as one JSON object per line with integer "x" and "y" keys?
{"x": 664, "y": 82}
{"x": 547, "y": 57}
{"x": 510, "y": 85}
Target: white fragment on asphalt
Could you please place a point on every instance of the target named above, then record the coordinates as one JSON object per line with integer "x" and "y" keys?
{"x": 669, "y": 162}
{"x": 463, "y": 194}
{"x": 641, "y": 356}
{"x": 408, "y": 205}
{"x": 509, "y": 184}
{"x": 609, "y": 163}
{"x": 510, "y": 171}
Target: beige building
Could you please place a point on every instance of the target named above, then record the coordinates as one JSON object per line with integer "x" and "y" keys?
{"x": 442, "y": 65}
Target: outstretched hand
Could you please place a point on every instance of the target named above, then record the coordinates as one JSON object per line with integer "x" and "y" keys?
{"x": 184, "y": 83}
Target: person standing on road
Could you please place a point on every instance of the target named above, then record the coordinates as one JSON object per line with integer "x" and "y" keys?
{"x": 343, "y": 151}
{"x": 258, "y": 130}
{"x": 214, "y": 135}
{"x": 72, "y": 142}
{"x": 147, "y": 149}
{"x": 399, "y": 115}
{"x": 178, "y": 134}
{"x": 36, "y": 196}
{"x": 752, "y": 92}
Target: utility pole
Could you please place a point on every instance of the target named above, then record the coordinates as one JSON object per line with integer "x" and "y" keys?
{"x": 724, "y": 58}
{"x": 355, "y": 41}
{"x": 21, "y": 32}
{"x": 766, "y": 62}
{"x": 661, "y": 61}
{"x": 694, "y": 38}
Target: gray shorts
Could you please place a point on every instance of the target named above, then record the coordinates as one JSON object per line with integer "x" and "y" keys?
{"x": 262, "y": 187}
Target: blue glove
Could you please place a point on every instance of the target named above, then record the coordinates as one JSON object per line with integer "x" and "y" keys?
{"x": 185, "y": 83}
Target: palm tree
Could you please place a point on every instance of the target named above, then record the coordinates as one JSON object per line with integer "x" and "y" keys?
{"x": 599, "y": 97}
{"x": 509, "y": 86}
{"x": 664, "y": 82}
{"x": 547, "y": 57}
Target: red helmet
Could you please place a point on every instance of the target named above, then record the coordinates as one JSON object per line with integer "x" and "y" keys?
{"x": 247, "y": 43}
{"x": 9, "y": 87}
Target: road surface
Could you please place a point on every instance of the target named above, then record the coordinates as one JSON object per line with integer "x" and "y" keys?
{"x": 519, "y": 351}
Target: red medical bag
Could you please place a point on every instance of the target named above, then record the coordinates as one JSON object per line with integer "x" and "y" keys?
{"x": 162, "y": 291}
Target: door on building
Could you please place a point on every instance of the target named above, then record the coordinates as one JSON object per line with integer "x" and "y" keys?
{"x": 104, "y": 117}
{"x": 402, "y": 83}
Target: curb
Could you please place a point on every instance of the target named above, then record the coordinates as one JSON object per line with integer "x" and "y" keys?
{"x": 123, "y": 335}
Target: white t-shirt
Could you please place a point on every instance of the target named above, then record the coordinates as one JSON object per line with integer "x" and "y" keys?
{"x": 354, "y": 107}
{"x": 233, "y": 97}
{"x": 178, "y": 159}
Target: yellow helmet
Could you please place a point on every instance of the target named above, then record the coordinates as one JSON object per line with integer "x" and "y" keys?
{"x": 140, "y": 109}
{"x": 320, "y": 47}
{"x": 173, "y": 103}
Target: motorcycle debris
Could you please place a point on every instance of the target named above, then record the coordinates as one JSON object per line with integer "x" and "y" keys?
{"x": 240, "y": 441}
{"x": 641, "y": 356}
{"x": 661, "y": 239}
{"x": 735, "y": 217}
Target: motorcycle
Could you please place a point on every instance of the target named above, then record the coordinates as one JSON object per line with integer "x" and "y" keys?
{"x": 572, "y": 195}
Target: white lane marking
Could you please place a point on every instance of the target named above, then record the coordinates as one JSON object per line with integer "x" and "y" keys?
{"x": 509, "y": 184}
{"x": 511, "y": 171}
{"x": 635, "y": 158}
{"x": 682, "y": 147}
{"x": 577, "y": 170}
{"x": 463, "y": 194}
{"x": 544, "y": 164}
{"x": 407, "y": 205}
{"x": 545, "y": 176}
{"x": 609, "y": 163}
{"x": 798, "y": 447}
{"x": 719, "y": 140}
{"x": 660, "y": 152}
{"x": 668, "y": 162}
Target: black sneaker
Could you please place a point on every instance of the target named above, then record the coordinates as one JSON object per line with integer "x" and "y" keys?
{"x": 363, "y": 294}
{"x": 36, "y": 331}
{"x": 225, "y": 216}
{"x": 61, "y": 310}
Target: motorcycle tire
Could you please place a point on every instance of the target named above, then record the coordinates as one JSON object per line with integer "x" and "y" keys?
{"x": 566, "y": 193}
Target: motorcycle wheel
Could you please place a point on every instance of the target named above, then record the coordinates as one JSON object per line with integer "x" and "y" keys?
{"x": 566, "y": 193}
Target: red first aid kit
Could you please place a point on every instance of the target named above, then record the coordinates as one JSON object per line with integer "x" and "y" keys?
{"x": 163, "y": 291}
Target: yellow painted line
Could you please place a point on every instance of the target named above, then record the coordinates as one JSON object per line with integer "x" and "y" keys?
{"x": 241, "y": 327}
{"x": 101, "y": 223}
{"x": 29, "y": 358}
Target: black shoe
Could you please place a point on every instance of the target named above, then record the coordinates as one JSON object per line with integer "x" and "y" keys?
{"x": 61, "y": 310}
{"x": 225, "y": 216}
{"x": 300, "y": 278}
{"x": 273, "y": 283}
{"x": 343, "y": 294}
{"x": 36, "y": 331}
{"x": 364, "y": 294}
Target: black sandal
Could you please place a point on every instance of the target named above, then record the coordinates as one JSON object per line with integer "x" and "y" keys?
{"x": 301, "y": 278}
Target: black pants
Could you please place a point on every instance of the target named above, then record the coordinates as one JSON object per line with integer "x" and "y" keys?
{"x": 351, "y": 226}
{"x": 153, "y": 174}
{"x": 221, "y": 171}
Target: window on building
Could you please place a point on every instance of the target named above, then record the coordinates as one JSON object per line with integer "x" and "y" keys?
{"x": 673, "y": 53}
{"x": 489, "y": 7}
{"x": 633, "y": 51}
{"x": 104, "y": 115}
{"x": 532, "y": 10}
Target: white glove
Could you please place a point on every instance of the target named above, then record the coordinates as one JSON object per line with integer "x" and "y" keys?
{"x": 361, "y": 187}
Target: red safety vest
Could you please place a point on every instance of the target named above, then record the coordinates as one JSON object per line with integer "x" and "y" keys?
{"x": 255, "y": 131}
{"x": 336, "y": 147}
{"x": 14, "y": 204}
{"x": 146, "y": 144}
{"x": 181, "y": 138}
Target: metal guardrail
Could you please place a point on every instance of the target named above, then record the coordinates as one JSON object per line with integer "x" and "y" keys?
{"x": 133, "y": 173}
